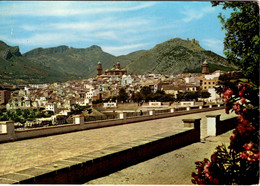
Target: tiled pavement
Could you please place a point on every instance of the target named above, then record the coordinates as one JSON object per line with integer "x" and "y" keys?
{"x": 173, "y": 168}
{"x": 24, "y": 154}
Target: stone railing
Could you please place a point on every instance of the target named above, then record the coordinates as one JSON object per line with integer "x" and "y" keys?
{"x": 216, "y": 127}
{"x": 10, "y": 134}
{"x": 84, "y": 167}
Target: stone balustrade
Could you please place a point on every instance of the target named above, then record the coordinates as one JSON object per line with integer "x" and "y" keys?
{"x": 10, "y": 134}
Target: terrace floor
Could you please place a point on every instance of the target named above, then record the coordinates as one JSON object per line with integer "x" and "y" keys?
{"x": 20, "y": 155}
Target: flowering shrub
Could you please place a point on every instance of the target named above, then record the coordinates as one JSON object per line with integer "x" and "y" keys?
{"x": 239, "y": 164}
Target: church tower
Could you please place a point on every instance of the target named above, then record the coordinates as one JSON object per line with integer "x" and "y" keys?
{"x": 205, "y": 67}
{"x": 99, "y": 69}
{"x": 118, "y": 65}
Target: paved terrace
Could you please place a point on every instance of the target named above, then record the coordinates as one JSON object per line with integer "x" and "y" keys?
{"x": 20, "y": 155}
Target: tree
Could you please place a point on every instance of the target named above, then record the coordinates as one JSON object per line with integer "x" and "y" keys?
{"x": 239, "y": 164}
{"x": 241, "y": 43}
{"x": 137, "y": 97}
{"x": 145, "y": 92}
{"x": 204, "y": 94}
{"x": 123, "y": 96}
{"x": 4, "y": 118}
{"x": 18, "y": 112}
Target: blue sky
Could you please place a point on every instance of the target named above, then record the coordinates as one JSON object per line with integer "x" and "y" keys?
{"x": 118, "y": 27}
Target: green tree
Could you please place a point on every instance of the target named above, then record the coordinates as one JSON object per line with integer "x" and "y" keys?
{"x": 137, "y": 97}
{"x": 145, "y": 92}
{"x": 240, "y": 164}
{"x": 4, "y": 118}
{"x": 204, "y": 94}
{"x": 18, "y": 112}
{"x": 123, "y": 96}
{"x": 241, "y": 43}
{"x": 26, "y": 112}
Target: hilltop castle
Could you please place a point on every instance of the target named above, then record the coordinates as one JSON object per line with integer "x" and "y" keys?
{"x": 193, "y": 41}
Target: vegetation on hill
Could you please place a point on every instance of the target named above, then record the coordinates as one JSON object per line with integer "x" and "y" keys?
{"x": 176, "y": 56}
{"x": 64, "y": 63}
{"x": 17, "y": 69}
{"x": 79, "y": 62}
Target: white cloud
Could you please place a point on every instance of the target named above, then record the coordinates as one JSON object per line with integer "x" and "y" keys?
{"x": 196, "y": 14}
{"x": 125, "y": 49}
{"x": 68, "y": 8}
{"x": 39, "y": 40}
{"x": 214, "y": 44}
{"x": 106, "y": 35}
{"x": 106, "y": 23}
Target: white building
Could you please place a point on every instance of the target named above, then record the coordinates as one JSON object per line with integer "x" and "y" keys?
{"x": 38, "y": 86}
{"x": 215, "y": 74}
{"x": 214, "y": 97}
{"x": 126, "y": 80}
{"x": 91, "y": 94}
{"x": 88, "y": 87}
{"x": 51, "y": 107}
{"x": 110, "y": 105}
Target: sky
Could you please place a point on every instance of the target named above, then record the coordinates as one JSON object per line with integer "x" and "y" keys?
{"x": 118, "y": 28}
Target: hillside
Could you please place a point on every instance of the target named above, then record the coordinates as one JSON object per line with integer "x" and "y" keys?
{"x": 79, "y": 62}
{"x": 64, "y": 63}
{"x": 177, "y": 56}
{"x": 171, "y": 57}
{"x": 17, "y": 69}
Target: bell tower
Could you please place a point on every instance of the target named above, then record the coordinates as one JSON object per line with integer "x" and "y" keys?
{"x": 205, "y": 67}
{"x": 118, "y": 65}
{"x": 99, "y": 69}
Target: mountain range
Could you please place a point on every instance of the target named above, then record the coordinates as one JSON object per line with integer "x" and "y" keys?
{"x": 62, "y": 63}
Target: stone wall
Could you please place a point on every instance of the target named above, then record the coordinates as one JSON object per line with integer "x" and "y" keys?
{"x": 82, "y": 168}
{"x": 13, "y": 135}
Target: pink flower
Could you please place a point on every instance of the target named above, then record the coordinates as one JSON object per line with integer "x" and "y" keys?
{"x": 228, "y": 93}
{"x": 241, "y": 129}
{"x": 216, "y": 181}
{"x": 226, "y": 100}
{"x": 240, "y": 86}
{"x": 248, "y": 146}
{"x": 243, "y": 100}
{"x": 206, "y": 170}
{"x": 241, "y": 93}
{"x": 243, "y": 155}
{"x": 227, "y": 110}
{"x": 207, "y": 175}
{"x": 214, "y": 157}
{"x": 236, "y": 108}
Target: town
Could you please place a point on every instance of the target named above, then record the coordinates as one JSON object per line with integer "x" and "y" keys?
{"x": 110, "y": 92}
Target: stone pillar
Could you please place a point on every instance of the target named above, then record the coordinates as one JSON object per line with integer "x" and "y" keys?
{"x": 151, "y": 112}
{"x": 195, "y": 123}
{"x": 212, "y": 121}
{"x": 188, "y": 108}
{"x": 3, "y": 127}
{"x": 200, "y": 107}
{"x": 122, "y": 115}
{"x": 210, "y": 106}
{"x": 172, "y": 110}
{"x": 78, "y": 119}
{"x": 10, "y": 130}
